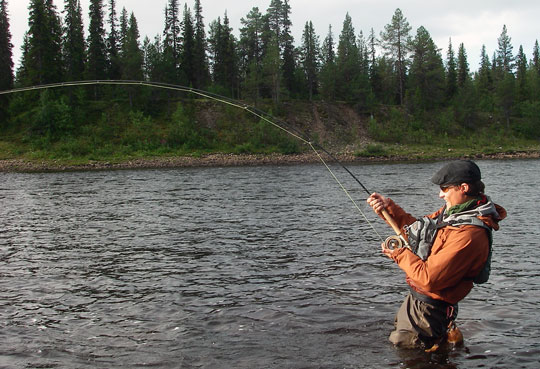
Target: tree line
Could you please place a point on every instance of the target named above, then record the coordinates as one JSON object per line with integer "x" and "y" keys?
{"x": 396, "y": 68}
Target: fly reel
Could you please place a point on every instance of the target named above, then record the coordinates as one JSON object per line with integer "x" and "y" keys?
{"x": 394, "y": 243}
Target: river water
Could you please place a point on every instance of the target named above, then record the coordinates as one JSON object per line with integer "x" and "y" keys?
{"x": 247, "y": 267}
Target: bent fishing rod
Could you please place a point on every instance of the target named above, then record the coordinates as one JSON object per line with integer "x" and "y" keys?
{"x": 392, "y": 241}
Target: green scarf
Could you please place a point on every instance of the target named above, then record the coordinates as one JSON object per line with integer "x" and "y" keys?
{"x": 462, "y": 207}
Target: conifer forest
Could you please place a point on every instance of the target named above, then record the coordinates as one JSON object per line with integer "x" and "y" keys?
{"x": 388, "y": 86}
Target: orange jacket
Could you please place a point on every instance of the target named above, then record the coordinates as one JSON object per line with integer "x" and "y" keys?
{"x": 458, "y": 254}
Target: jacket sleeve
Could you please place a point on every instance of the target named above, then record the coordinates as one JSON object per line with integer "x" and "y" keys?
{"x": 457, "y": 253}
{"x": 401, "y": 217}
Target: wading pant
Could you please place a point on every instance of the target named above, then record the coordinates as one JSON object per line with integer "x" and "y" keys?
{"x": 421, "y": 324}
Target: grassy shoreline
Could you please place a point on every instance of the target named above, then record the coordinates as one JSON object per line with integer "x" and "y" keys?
{"x": 401, "y": 154}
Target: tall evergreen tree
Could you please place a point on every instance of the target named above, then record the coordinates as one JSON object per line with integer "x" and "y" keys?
{"x": 396, "y": 43}
{"x": 535, "y": 73}
{"x": 172, "y": 34}
{"x": 97, "y": 65}
{"x": 187, "y": 56}
{"x": 348, "y": 62}
{"x": 451, "y": 72}
{"x": 522, "y": 83}
{"x": 132, "y": 57}
{"x": 73, "y": 44}
{"x": 287, "y": 41}
{"x": 43, "y": 50}
{"x": 201, "y": 73}
{"x": 535, "y": 61}
{"x": 427, "y": 72}
{"x": 251, "y": 50}
{"x": 505, "y": 58}
{"x": 115, "y": 69}
{"x": 328, "y": 68}
{"x": 6, "y": 50}
{"x": 225, "y": 66}
{"x": 463, "y": 66}
{"x": 310, "y": 58}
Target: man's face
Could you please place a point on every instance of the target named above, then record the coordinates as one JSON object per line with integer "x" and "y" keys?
{"x": 454, "y": 194}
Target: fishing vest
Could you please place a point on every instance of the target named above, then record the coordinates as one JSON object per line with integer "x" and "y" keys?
{"x": 421, "y": 235}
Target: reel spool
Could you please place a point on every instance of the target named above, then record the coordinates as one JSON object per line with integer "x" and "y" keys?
{"x": 393, "y": 243}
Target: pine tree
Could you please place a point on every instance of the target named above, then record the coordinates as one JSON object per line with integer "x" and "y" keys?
{"x": 6, "y": 50}
{"x": 97, "y": 65}
{"x": 463, "y": 67}
{"x": 43, "y": 49}
{"x": 201, "y": 72}
{"x": 396, "y": 42}
{"x": 74, "y": 47}
{"x": 522, "y": 85}
{"x": 172, "y": 34}
{"x": 451, "y": 72}
{"x": 287, "y": 40}
{"x": 274, "y": 48}
{"x": 310, "y": 58}
{"x": 328, "y": 68}
{"x": 132, "y": 57}
{"x": 347, "y": 62}
{"x": 187, "y": 56}
{"x": 505, "y": 59}
{"x": 535, "y": 61}
{"x": 115, "y": 69}
{"x": 251, "y": 49}
{"x": 223, "y": 46}
{"x": 427, "y": 72}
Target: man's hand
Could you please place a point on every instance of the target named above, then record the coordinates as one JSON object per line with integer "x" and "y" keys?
{"x": 377, "y": 202}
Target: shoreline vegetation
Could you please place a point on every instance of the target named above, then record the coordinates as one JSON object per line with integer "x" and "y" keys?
{"x": 234, "y": 160}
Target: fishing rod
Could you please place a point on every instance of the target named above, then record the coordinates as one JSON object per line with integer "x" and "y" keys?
{"x": 280, "y": 124}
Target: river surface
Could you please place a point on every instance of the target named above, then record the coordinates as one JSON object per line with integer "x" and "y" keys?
{"x": 247, "y": 267}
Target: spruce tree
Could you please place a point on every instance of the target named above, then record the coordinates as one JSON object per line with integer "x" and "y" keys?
{"x": 43, "y": 47}
{"x": 348, "y": 62}
{"x": 200, "y": 59}
{"x": 451, "y": 72}
{"x": 328, "y": 68}
{"x": 132, "y": 57}
{"x": 115, "y": 69}
{"x": 97, "y": 65}
{"x": 463, "y": 67}
{"x": 310, "y": 58}
{"x": 6, "y": 50}
{"x": 251, "y": 50}
{"x": 287, "y": 40}
{"x": 535, "y": 61}
{"x": 224, "y": 57}
{"x": 426, "y": 73}
{"x": 505, "y": 58}
{"x": 187, "y": 56}
{"x": 522, "y": 83}
{"x": 396, "y": 43}
{"x": 172, "y": 34}
{"x": 74, "y": 47}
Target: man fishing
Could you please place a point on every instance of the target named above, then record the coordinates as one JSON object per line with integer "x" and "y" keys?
{"x": 444, "y": 253}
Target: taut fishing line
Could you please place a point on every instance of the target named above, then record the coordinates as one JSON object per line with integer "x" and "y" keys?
{"x": 222, "y": 99}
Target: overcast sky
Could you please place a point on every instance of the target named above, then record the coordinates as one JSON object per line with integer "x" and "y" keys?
{"x": 473, "y": 23}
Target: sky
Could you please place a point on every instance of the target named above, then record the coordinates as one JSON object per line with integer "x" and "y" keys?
{"x": 473, "y": 23}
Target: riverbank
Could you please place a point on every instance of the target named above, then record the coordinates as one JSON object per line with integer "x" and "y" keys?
{"x": 229, "y": 160}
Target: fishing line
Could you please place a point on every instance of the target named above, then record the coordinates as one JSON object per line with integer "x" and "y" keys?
{"x": 224, "y": 100}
